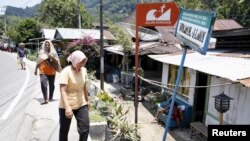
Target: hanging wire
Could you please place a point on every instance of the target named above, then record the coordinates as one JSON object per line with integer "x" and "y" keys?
{"x": 165, "y": 86}
{"x": 172, "y": 85}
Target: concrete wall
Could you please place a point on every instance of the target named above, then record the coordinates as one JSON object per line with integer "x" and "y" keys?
{"x": 239, "y": 110}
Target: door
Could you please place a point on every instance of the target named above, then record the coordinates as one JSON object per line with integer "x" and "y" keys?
{"x": 200, "y": 97}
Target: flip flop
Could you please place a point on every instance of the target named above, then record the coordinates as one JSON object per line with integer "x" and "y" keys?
{"x": 45, "y": 102}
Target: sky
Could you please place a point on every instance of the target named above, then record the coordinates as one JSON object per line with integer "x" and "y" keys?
{"x": 19, "y": 3}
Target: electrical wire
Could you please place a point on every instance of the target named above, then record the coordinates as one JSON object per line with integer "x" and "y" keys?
{"x": 172, "y": 85}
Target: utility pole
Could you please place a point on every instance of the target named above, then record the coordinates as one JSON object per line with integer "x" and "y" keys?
{"x": 79, "y": 15}
{"x": 101, "y": 48}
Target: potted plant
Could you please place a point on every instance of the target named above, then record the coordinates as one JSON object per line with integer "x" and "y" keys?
{"x": 125, "y": 131}
{"x": 104, "y": 102}
{"x": 120, "y": 129}
{"x": 98, "y": 124}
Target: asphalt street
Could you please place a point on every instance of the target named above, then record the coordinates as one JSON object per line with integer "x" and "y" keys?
{"x": 17, "y": 88}
{"x": 22, "y": 117}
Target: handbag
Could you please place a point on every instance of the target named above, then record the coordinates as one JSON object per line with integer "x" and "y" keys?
{"x": 56, "y": 65}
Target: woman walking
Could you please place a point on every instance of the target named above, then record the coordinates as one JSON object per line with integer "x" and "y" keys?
{"x": 74, "y": 97}
{"x": 47, "y": 63}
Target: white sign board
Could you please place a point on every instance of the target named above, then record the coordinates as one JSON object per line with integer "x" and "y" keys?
{"x": 194, "y": 29}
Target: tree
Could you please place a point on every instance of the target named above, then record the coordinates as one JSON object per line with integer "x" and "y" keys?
{"x": 23, "y": 31}
{"x": 125, "y": 40}
{"x": 1, "y": 27}
{"x": 235, "y": 9}
{"x": 190, "y": 4}
{"x": 63, "y": 13}
{"x": 238, "y": 10}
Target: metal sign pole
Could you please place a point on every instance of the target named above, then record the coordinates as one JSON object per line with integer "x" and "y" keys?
{"x": 101, "y": 47}
{"x": 175, "y": 92}
{"x": 136, "y": 75}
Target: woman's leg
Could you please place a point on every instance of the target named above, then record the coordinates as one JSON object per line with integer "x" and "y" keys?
{"x": 51, "y": 79}
{"x": 44, "y": 84}
{"x": 82, "y": 118}
{"x": 64, "y": 125}
{"x": 158, "y": 113}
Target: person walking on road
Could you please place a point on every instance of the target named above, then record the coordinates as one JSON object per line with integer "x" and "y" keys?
{"x": 74, "y": 97}
{"x": 47, "y": 63}
{"x": 21, "y": 55}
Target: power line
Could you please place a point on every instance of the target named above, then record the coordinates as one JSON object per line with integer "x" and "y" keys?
{"x": 206, "y": 86}
{"x": 157, "y": 83}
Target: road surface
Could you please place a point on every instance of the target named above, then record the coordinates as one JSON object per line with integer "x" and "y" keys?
{"x": 17, "y": 88}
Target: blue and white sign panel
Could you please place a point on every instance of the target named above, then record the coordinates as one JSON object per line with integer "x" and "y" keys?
{"x": 194, "y": 29}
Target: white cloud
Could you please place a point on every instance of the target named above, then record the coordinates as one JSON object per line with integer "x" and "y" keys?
{"x": 2, "y": 10}
{"x": 19, "y": 3}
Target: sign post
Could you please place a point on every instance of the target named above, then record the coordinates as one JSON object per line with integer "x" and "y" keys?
{"x": 194, "y": 31}
{"x": 148, "y": 15}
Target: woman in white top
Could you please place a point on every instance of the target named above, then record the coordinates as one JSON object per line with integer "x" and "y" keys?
{"x": 74, "y": 97}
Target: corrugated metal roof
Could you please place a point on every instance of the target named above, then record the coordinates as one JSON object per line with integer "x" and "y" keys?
{"x": 231, "y": 68}
{"x": 145, "y": 34}
{"x": 73, "y": 33}
{"x": 225, "y": 24}
{"x": 147, "y": 48}
{"x": 167, "y": 34}
{"x": 49, "y": 33}
{"x": 117, "y": 49}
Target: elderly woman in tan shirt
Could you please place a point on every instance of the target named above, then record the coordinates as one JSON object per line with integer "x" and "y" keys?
{"x": 74, "y": 97}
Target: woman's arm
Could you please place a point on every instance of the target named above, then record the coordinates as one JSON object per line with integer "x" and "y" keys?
{"x": 37, "y": 65}
{"x": 85, "y": 91}
{"x": 51, "y": 56}
{"x": 68, "y": 110}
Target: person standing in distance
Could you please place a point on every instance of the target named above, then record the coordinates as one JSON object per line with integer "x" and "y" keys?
{"x": 74, "y": 97}
{"x": 21, "y": 55}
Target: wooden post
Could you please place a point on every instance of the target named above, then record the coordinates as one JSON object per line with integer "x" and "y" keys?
{"x": 221, "y": 118}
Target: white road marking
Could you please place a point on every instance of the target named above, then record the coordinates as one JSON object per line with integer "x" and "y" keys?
{"x": 17, "y": 98}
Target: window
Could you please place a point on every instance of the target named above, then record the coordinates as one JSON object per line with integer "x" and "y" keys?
{"x": 184, "y": 81}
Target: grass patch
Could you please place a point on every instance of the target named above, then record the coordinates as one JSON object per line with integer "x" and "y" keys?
{"x": 96, "y": 116}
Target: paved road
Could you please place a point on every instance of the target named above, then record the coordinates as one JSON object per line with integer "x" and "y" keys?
{"x": 17, "y": 88}
{"x": 22, "y": 117}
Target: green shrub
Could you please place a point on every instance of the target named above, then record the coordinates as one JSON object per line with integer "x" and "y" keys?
{"x": 32, "y": 57}
{"x": 103, "y": 96}
{"x": 96, "y": 116}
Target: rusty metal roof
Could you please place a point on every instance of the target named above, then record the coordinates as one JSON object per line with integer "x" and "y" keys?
{"x": 235, "y": 53}
{"x": 145, "y": 34}
{"x": 147, "y": 48}
{"x": 158, "y": 48}
{"x": 225, "y": 24}
{"x": 167, "y": 34}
